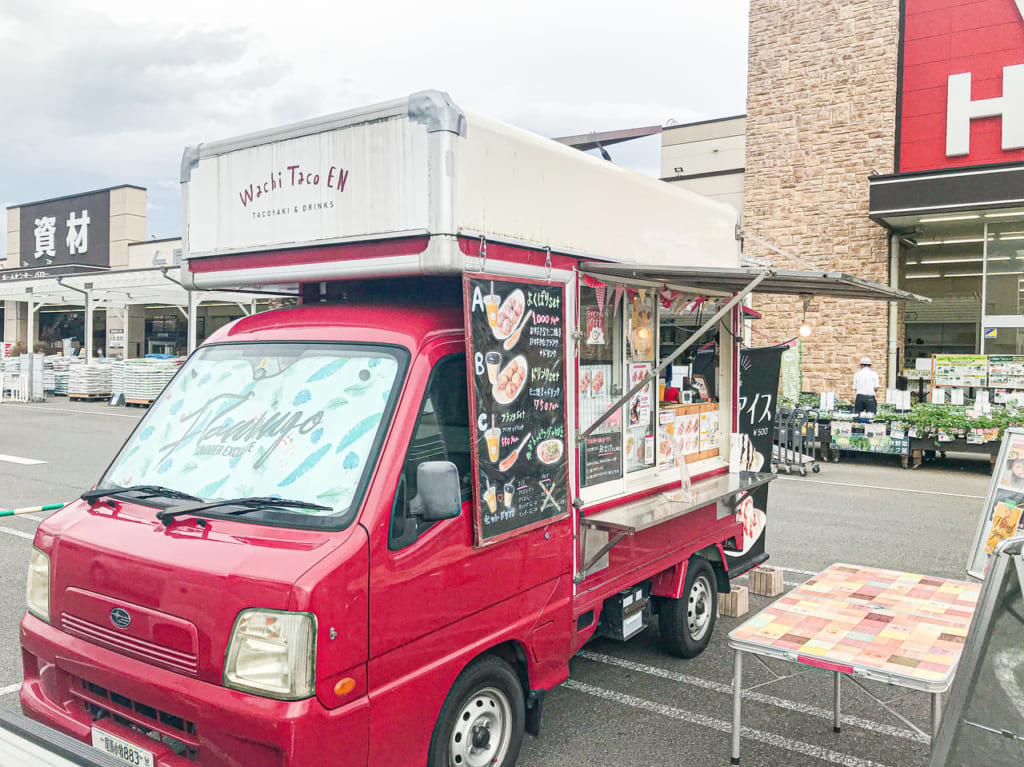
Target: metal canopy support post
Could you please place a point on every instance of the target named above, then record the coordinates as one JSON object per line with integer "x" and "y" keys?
{"x": 32, "y": 329}
{"x": 88, "y": 328}
{"x": 736, "y": 299}
{"x": 86, "y": 291}
{"x": 193, "y": 306}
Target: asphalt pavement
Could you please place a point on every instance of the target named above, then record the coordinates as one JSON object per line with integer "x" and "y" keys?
{"x": 625, "y": 703}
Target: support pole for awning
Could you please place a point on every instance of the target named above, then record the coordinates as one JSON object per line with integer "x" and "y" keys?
{"x": 88, "y": 315}
{"x": 30, "y": 331}
{"x": 679, "y": 350}
{"x": 192, "y": 319}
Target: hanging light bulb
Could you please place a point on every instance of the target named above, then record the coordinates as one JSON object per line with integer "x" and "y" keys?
{"x": 805, "y": 328}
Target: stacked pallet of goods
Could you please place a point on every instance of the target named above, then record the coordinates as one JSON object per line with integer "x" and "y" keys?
{"x": 90, "y": 382}
{"x": 144, "y": 379}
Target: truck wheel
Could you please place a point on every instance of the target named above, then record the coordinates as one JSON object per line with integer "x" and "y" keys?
{"x": 482, "y": 720}
{"x": 688, "y": 622}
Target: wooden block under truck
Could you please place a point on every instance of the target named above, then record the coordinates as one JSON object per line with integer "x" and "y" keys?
{"x": 374, "y": 527}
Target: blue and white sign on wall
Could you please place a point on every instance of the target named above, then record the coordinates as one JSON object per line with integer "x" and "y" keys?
{"x": 991, "y": 332}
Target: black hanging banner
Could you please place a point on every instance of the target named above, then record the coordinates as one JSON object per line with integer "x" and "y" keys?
{"x": 757, "y": 406}
{"x": 516, "y": 345}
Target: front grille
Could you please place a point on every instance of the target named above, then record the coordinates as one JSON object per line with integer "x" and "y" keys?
{"x": 173, "y": 731}
{"x": 173, "y": 660}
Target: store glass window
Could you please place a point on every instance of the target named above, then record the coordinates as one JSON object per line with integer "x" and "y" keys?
{"x": 945, "y": 265}
{"x": 1005, "y": 268}
{"x": 972, "y": 267}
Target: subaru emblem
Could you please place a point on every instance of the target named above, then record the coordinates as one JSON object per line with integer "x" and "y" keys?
{"x": 120, "y": 618}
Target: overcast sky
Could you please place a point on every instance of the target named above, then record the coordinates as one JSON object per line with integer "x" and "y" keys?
{"x": 95, "y": 94}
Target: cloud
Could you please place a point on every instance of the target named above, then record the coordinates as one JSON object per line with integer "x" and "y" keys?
{"x": 98, "y": 102}
{"x": 104, "y": 92}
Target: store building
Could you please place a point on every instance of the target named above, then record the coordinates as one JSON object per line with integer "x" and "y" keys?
{"x": 80, "y": 274}
{"x": 956, "y": 200}
{"x": 707, "y": 158}
{"x": 886, "y": 140}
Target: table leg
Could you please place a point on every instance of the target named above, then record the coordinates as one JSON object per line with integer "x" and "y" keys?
{"x": 936, "y": 715}
{"x": 737, "y": 689}
{"x": 836, "y": 696}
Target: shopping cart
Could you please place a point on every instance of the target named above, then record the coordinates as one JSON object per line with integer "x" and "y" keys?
{"x": 796, "y": 442}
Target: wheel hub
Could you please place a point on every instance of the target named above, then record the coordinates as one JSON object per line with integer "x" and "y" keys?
{"x": 482, "y": 731}
{"x": 697, "y": 609}
{"x": 481, "y": 736}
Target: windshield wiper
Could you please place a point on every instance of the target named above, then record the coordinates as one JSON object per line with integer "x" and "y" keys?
{"x": 149, "y": 491}
{"x": 247, "y": 506}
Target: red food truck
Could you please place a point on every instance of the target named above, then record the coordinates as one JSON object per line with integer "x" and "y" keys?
{"x": 374, "y": 527}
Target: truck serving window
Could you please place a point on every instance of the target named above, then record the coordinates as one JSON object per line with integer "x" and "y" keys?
{"x": 301, "y": 421}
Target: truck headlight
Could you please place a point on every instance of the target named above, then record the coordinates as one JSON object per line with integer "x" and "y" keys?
{"x": 272, "y": 653}
{"x": 37, "y": 587}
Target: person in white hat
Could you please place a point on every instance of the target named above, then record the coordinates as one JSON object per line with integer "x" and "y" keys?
{"x": 865, "y": 386}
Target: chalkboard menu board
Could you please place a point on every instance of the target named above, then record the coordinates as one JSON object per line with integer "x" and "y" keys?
{"x": 1001, "y": 516}
{"x": 516, "y": 344}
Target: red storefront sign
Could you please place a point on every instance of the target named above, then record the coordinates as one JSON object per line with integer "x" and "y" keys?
{"x": 962, "y": 95}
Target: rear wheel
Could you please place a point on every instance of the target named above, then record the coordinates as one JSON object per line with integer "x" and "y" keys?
{"x": 687, "y": 623}
{"x": 482, "y": 720}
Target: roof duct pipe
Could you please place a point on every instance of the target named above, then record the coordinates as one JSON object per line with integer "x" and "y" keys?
{"x": 87, "y": 292}
{"x": 894, "y": 334}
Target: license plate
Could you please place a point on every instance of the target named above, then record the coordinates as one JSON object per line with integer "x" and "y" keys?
{"x": 121, "y": 749}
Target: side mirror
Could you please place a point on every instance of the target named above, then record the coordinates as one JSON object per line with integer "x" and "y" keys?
{"x": 439, "y": 495}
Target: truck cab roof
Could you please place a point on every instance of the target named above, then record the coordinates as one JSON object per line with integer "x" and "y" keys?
{"x": 377, "y": 321}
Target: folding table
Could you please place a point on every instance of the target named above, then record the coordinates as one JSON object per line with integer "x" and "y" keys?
{"x": 904, "y": 629}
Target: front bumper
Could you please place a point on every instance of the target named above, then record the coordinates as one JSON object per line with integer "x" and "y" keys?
{"x": 71, "y": 685}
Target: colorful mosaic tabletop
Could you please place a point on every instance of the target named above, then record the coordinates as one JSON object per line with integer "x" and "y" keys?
{"x": 906, "y": 625}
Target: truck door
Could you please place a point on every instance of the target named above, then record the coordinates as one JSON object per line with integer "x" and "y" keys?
{"x": 433, "y": 596}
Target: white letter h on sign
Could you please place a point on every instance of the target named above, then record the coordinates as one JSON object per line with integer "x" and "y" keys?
{"x": 960, "y": 110}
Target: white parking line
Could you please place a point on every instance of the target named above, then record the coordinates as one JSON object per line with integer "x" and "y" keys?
{"x": 18, "y": 533}
{"x": 756, "y": 697}
{"x": 794, "y": 570}
{"x": 19, "y": 460}
{"x": 9, "y": 689}
{"x": 768, "y": 738}
{"x": 879, "y": 487}
{"x": 72, "y": 410}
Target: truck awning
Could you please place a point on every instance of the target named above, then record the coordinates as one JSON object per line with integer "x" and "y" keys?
{"x": 734, "y": 279}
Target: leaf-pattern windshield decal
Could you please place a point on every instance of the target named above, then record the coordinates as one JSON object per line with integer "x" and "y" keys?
{"x": 288, "y": 420}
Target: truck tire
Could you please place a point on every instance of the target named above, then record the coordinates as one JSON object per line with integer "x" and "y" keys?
{"x": 687, "y": 623}
{"x": 483, "y": 718}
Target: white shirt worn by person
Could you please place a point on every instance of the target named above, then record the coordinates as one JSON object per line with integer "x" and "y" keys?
{"x": 865, "y": 381}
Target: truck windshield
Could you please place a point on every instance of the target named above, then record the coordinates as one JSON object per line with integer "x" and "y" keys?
{"x": 301, "y": 421}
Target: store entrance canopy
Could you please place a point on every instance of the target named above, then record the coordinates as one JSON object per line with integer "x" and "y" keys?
{"x": 733, "y": 280}
{"x": 116, "y": 287}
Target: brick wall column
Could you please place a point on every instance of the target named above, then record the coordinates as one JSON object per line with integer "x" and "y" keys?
{"x": 821, "y": 115}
